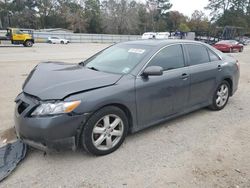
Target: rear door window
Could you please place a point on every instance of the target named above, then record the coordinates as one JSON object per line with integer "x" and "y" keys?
{"x": 197, "y": 54}
{"x": 169, "y": 58}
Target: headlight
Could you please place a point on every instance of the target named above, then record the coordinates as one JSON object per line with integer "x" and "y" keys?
{"x": 55, "y": 108}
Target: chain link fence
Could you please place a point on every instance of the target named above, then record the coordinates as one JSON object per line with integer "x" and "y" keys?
{"x": 81, "y": 38}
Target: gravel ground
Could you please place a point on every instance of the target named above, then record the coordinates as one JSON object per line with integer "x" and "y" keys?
{"x": 201, "y": 149}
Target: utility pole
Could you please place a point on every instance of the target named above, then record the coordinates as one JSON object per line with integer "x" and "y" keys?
{"x": 9, "y": 15}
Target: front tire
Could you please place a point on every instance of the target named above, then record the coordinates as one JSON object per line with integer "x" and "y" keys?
{"x": 105, "y": 131}
{"x": 241, "y": 49}
{"x": 62, "y": 42}
{"x": 221, "y": 96}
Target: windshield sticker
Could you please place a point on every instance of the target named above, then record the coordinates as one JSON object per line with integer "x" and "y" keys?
{"x": 137, "y": 51}
{"x": 126, "y": 70}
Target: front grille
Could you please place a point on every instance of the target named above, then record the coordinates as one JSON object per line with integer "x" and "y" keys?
{"x": 22, "y": 107}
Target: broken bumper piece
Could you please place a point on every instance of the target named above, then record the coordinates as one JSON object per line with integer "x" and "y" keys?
{"x": 10, "y": 156}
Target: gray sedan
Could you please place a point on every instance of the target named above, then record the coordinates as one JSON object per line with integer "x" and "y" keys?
{"x": 123, "y": 89}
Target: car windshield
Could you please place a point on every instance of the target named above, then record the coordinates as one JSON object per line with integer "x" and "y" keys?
{"x": 119, "y": 59}
{"x": 17, "y": 32}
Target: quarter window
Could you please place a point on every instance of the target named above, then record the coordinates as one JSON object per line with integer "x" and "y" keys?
{"x": 213, "y": 56}
{"x": 169, "y": 58}
{"x": 197, "y": 53}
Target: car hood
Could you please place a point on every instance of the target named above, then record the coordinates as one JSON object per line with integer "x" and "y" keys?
{"x": 56, "y": 80}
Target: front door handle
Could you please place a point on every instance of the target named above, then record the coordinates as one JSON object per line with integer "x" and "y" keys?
{"x": 219, "y": 67}
{"x": 184, "y": 76}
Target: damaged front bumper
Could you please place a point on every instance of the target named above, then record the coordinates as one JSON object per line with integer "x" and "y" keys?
{"x": 45, "y": 133}
{"x": 56, "y": 145}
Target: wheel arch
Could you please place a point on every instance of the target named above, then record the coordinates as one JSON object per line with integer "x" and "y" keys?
{"x": 230, "y": 82}
{"x": 126, "y": 110}
{"x": 32, "y": 40}
{"x": 123, "y": 107}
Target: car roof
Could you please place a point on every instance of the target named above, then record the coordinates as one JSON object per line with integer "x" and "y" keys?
{"x": 160, "y": 43}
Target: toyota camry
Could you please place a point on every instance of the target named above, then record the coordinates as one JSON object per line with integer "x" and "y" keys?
{"x": 123, "y": 89}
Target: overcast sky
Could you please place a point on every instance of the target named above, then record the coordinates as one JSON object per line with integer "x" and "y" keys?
{"x": 187, "y": 7}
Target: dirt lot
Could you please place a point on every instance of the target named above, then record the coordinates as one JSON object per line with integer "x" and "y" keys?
{"x": 201, "y": 149}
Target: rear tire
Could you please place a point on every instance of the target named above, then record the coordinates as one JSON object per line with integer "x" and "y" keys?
{"x": 221, "y": 96}
{"x": 105, "y": 131}
{"x": 62, "y": 42}
{"x": 241, "y": 49}
{"x": 28, "y": 43}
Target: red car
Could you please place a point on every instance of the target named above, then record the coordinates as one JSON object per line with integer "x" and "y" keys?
{"x": 228, "y": 46}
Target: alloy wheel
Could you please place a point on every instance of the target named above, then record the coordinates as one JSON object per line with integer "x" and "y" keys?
{"x": 107, "y": 132}
{"x": 222, "y": 95}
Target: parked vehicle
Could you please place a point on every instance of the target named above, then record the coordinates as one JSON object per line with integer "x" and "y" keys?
{"x": 123, "y": 89}
{"x": 173, "y": 37}
{"x": 162, "y": 35}
{"x": 189, "y": 36}
{"x": 19, "y": 36}
{"x": 149, "y": 35}
{"x": 229, "y": 46}
{"x": 246, "y": 42}
{"x": 57, "y": 40}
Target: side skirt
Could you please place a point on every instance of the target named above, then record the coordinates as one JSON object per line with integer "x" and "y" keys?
{"x": 184, "y": 112}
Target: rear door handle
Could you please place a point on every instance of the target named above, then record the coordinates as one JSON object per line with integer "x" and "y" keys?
{"x": 219, "y": 67}
{"x": 184, "y": 76}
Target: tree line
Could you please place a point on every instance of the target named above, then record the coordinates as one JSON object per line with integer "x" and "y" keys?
{"x": 120, "y": 16}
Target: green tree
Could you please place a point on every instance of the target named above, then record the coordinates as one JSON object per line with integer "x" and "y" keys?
{"x": 218, "y": 7}
{"x": 93, "y": 16}
{"x": 160, "y": 6}
{"x": 239, "y": 19}
{"x": 24, "y": 14}
{"x": 142, "y": 19}
{"x": 46, "y": 8}
{"x": 158, "y": 10}
{"x": 174, "y": 20}
{"x": 183, "y": 27}
{"x": 230, "y": 12}
{"x": 199, "y": 22}
{"x": 73, "y": 15}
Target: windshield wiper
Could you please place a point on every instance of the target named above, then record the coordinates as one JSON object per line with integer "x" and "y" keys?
{"x": 93, "y": 68}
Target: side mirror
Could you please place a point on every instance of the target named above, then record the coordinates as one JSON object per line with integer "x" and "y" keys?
{"x": 153, "y": 71}
{"x": 83, "y": 63}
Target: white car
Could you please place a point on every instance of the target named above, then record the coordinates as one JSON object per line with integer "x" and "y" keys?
{"x": 162, "y": 35}
{"x": 149, "y": 35}
{"x": 57, "y": 40}
{"x": 247, "y": 42}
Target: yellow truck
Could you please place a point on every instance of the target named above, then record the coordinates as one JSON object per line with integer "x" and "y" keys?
{"x": 19, "y": 36}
